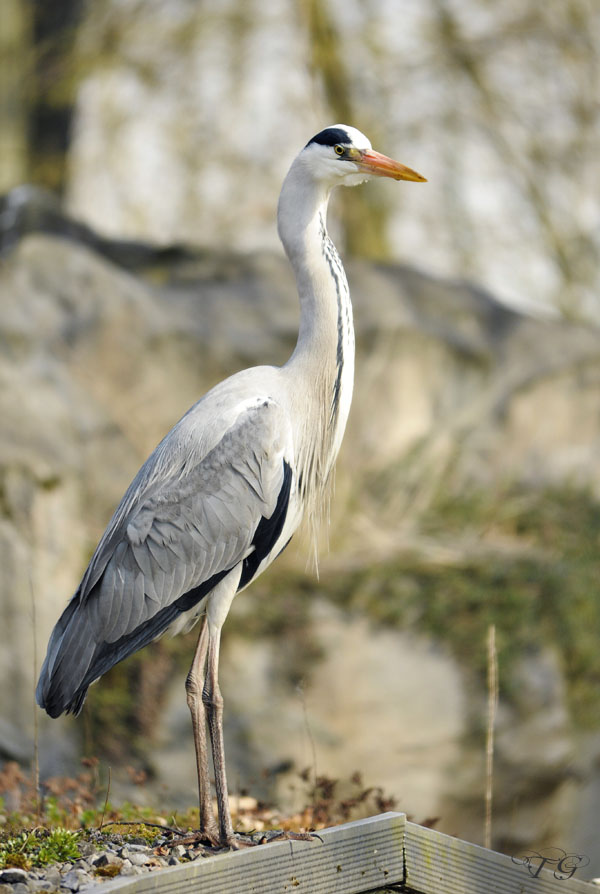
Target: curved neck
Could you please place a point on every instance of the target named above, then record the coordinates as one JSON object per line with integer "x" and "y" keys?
{"x": 326, "y": 335}
{"x": 322, "y": 365}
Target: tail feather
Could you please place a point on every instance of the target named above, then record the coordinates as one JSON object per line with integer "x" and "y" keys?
{"x": 70, "y": 652}
{"x": 78, "y": 654}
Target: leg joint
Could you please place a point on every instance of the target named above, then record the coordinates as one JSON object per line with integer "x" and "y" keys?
{"x": 192, "y": 685}
{"x": 212, "y": 699}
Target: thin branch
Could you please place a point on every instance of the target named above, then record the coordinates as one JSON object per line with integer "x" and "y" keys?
{"x": 105, "y": 802}
{"x": 492, "y": 685}
{"x": 36, "y": 737}
{"x": 313, "y": 748}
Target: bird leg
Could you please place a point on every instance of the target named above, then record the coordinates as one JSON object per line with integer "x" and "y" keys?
{"x": 194, "y": 686}
{"x": 213, "y": 702}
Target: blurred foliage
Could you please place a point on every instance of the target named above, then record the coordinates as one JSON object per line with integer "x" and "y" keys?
{"x": 363, "y": 212}
{"x": 71, "y": 802}
{"x": 40, "y": 76}
{"x": 543, "y": 136}
{"x": 38, "y": 831}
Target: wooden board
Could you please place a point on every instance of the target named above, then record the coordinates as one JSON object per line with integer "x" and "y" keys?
{"x": 357, "y": 857}
{"x": 439, "y": 864}
{"x": 353, "y": 858}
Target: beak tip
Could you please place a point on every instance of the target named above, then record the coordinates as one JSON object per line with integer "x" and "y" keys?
{"x": 416, "y": 179}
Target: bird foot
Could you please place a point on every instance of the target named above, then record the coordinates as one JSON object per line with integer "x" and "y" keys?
{"x": 211, "y": 838}
{"x": 208, "y": 837}
{"x": 288, "y": 835}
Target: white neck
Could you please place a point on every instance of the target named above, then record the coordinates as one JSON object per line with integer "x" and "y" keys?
{"x": 322, "y": 365}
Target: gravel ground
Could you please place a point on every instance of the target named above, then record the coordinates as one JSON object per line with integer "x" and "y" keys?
{"x": 103, "y": 858}
{"x": 106, "y": 857}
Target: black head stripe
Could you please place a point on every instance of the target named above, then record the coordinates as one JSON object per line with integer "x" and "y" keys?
{"x": 331, "y": 136}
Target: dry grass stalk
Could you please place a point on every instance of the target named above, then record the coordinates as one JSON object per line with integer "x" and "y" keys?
{"x": 36, "y": 735}
{"x": 492, "y": 686}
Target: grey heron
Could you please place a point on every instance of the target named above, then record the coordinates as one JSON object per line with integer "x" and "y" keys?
{"x": 225, "y": 490}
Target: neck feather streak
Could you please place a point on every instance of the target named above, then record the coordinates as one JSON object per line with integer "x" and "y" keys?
{"x": 322, "y": 365}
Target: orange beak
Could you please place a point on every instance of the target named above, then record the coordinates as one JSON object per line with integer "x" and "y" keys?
{"x": 379, "y": 165}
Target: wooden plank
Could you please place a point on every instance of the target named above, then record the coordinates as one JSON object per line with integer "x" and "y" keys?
{"x": 353, "y": 858}
{"x": 439, "y": 864}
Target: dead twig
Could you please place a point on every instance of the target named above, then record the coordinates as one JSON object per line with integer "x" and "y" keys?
{"x": 492, "y": 685}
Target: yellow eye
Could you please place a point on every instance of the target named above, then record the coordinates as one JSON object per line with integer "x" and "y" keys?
{"x": 339, "y": 150}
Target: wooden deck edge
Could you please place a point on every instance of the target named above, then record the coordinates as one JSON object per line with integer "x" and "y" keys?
{"x": 439, "y": 864}
{"x": 351, "y": 859}
{"x": 354, "y": 858}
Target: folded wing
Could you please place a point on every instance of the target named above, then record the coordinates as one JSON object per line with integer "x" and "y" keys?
{"x": 180, "y": 529}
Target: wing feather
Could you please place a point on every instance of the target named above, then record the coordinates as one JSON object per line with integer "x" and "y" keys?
{"x": 162, "y": 555}
{"x": 172, "y": 536}
{"x": 202, "y": 522}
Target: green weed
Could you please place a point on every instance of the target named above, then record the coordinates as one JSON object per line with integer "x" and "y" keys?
{"x": 39, "y": 848}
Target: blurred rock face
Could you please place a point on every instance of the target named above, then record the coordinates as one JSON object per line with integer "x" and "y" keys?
{"x": 188, "y": 114}
{"x": 452, "y": 390}
{"x": 384, "y": 703}
{"x": 184, "y": 135}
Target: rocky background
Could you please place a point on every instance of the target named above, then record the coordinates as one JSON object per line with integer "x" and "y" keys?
{"x": 467, "y": 489}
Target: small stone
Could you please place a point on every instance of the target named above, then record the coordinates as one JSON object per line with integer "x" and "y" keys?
{"x": 21, "y": 888}
{"x": 128, "y": 868}
{"x": 139, "y": 859}
{"x": 75, "y": 879}
{"x": 53, "y": 876}
{"x": 12, "y": 876}
{"x": 107, "y": 859}
{"x": 179, "y": 850}
{"x": 173, "y": 861}
{"x": 83, "y": 864}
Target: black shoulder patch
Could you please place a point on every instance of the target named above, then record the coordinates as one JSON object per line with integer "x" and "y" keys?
{"x": 330, "y": 137}
{"x": 268, "y": 531}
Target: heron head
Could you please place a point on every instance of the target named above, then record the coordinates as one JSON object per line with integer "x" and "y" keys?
{"x": 344, "y": 156}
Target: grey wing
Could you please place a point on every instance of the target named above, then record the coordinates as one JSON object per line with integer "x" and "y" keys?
{"x": 170, "y": 549}
{"x": 195, "y": 528}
